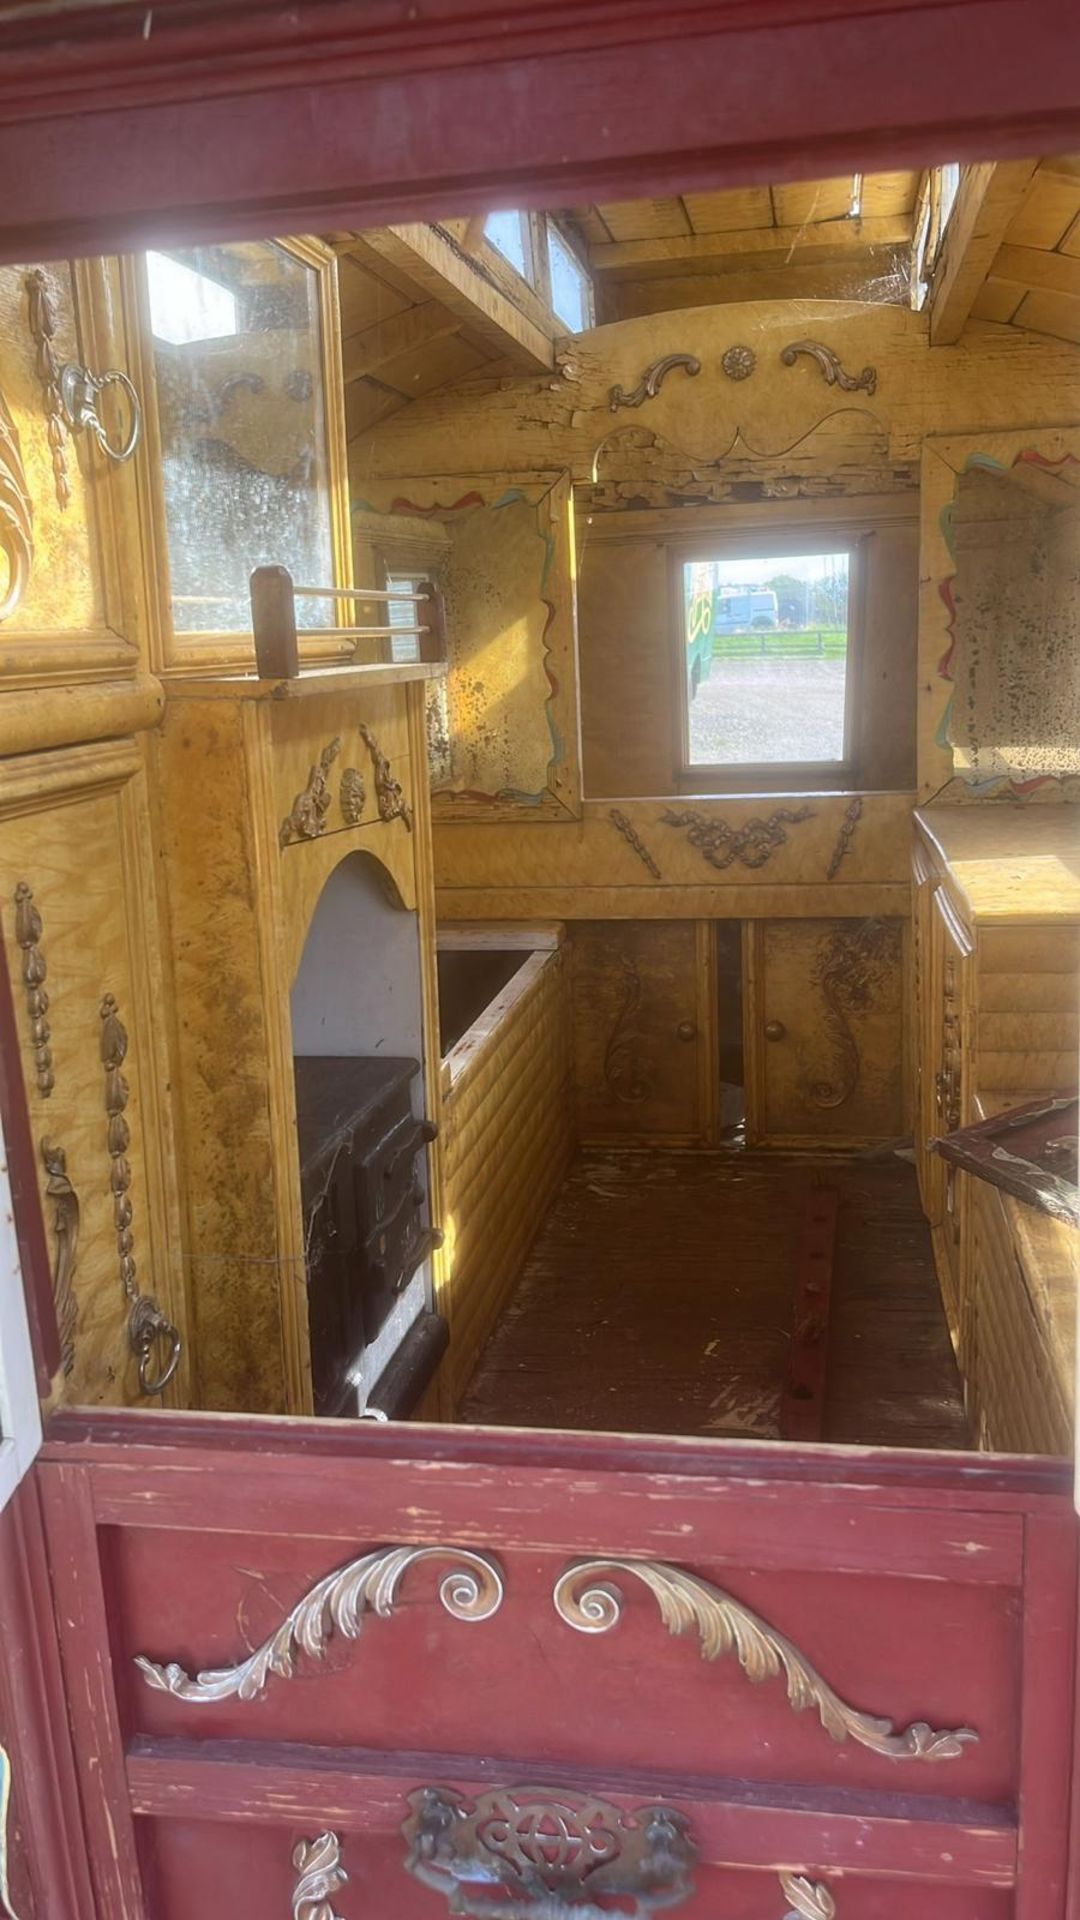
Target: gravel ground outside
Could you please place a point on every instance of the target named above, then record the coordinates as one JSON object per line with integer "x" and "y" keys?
{"x": 760, "y": 710}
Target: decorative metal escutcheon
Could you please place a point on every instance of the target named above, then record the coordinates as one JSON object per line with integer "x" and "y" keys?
{"x": 535, "y": 1853}
{"x": 79, "y": 391}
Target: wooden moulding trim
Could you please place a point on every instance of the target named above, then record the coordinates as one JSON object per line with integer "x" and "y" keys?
{"x": 768, "y": 900}
{"x": 34, "y": 719}
{"x": 30, "y": 780}
{"x": 901, "y": 1836}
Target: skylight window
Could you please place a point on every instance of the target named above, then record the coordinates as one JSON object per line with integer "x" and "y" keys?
{"x": 571, "y": 289}
{"x": 509, "y": 235}
{"x": 186, "y": 306}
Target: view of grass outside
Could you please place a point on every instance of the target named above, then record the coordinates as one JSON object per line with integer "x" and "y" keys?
{"x": 766, "y": 658}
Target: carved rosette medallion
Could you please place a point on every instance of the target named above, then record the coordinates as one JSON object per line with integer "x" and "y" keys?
{"x": 548, "y": 1852}
{"x": 306, "y": 818}
{"x": 389, "y": 797}
{"x": 751, "y": 845}
{"x": 852, "y": 967}
{"x": 739, "y": 363}
{"x": 586, "y": 1599}
{"x": 320, "y": 1875}
{"x": 16, "y": 516}
{"x": 28, "y": 931}
{"x": 833, "y": 374}
{"x": 66, "y": 1213}
{"x": 472, "y": 1589}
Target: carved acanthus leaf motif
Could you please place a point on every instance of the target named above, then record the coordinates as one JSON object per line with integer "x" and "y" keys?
{"x": 851, "y": 967}
{"x": 66, "y": 1234}
{"x": 832, "y": 372}
{"x": 320, "y": 1875}
{"x": 16, "y": 516}
{"x": 306, "y": 819}
{"x": 723, "y": 1626}
{"x": 752, "y": 845}
{"x": 471, "y": 1590}
{"x": 28, "y": 930}
{"x": 652, "y": 380}
{"x": 43, "y": 324}
{"x": 391, "y": 801}
{"x": 810, "y": 1899}
{"x": 352, "y": 794}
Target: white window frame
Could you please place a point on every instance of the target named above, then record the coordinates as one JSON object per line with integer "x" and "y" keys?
{"x": 20, "y": 1414}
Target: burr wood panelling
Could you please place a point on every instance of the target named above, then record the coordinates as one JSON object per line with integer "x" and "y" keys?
{"x": 74, "y": 828}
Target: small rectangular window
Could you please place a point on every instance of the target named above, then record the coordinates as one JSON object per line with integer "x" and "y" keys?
{"x": 765, "y": 640}
{"x": 510, "y": 235}
{"x": 571, "y": 289}
{"x": 402, "y": 613}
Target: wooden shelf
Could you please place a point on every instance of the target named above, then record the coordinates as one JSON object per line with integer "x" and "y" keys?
{"x": 1010, "y": 866}
{"x": 348, "y": 679}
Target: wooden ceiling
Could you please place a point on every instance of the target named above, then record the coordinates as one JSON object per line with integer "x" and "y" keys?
{"x": 845, "y": 238}
{"x": 1034, "y": 276}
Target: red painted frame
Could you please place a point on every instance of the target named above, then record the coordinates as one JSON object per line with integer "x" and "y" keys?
{"x": 120, "y": 122}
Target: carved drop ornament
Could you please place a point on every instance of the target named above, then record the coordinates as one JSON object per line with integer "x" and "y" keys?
{"x": 633, "y": 839}
{"x": 389, "y": 797}
{"x": 320, "y": 1875}
{"x": 66, "y": 1212}
{"x": 352, "y": 794}
{"x": 43, "y": 323}
{"x": 149, "y": 1331}
{"x": 28, "y": 931}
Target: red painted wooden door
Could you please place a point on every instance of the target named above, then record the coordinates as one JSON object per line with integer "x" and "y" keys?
{"x": 464, "y": 1668}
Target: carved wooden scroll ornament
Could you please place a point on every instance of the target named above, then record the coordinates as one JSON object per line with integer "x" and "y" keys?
{"x": 833, "y": 374}
{"x": 851, "y": 968}
{"x": 320, "y": 1875}
{"x": 752, "y": 845}
{"x": 306, "y": 818}
{"x": 652, "y": 380}
{"x": 389, "y": 797}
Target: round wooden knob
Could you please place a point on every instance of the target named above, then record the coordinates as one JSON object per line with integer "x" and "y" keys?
{"x": 775, "y": 1030}
{"x": 686, "y": 1030}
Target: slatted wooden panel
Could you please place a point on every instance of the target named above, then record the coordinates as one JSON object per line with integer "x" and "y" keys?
{"x": 508, "y": 1137}
{"x": 1028, "y": 1028}
{"x": 1017, "y": 1376}
{"x": 1034, "y": 280}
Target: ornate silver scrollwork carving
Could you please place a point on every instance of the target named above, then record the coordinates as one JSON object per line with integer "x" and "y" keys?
{"x": 589, "y": 1603}
{"x": 28, "y": 932}
{"x": 149, "y": 1331}
{"x": 652, "y": 380}
{"x": 320, "y": 1875}
{"x": 833, "y": 374}
{"x": 66, "y": 1212}
{"x": 554, "y": 1855}
{"x": 472, "y": 1589}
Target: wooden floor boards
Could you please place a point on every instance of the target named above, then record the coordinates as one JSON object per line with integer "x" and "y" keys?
{"x": 658, "y": 1298}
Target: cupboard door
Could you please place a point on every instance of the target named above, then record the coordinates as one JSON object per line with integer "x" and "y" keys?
{"x": 77, "y": 911}
{"x": 826, "y": 1031}
{"x": 644, "y": 1040}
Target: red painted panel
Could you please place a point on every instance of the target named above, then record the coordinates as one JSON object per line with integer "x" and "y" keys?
{"x": 193, "y": 1548}
{"x": 360, "y": 115}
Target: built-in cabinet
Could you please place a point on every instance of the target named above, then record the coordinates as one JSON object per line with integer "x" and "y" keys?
{"x": 997, "y": 918}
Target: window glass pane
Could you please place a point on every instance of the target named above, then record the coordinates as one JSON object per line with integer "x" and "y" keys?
{"x": 569, "y": 284}
{"x": 237, "y": 357}
{"x": 766, "y": 658}
{"x": 509, "y": 233}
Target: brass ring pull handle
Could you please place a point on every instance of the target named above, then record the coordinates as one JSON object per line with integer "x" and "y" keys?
{"x": 775, "y": 1030}
{"x": 79, "y": 390}
{"x": 149, "y": 1331}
